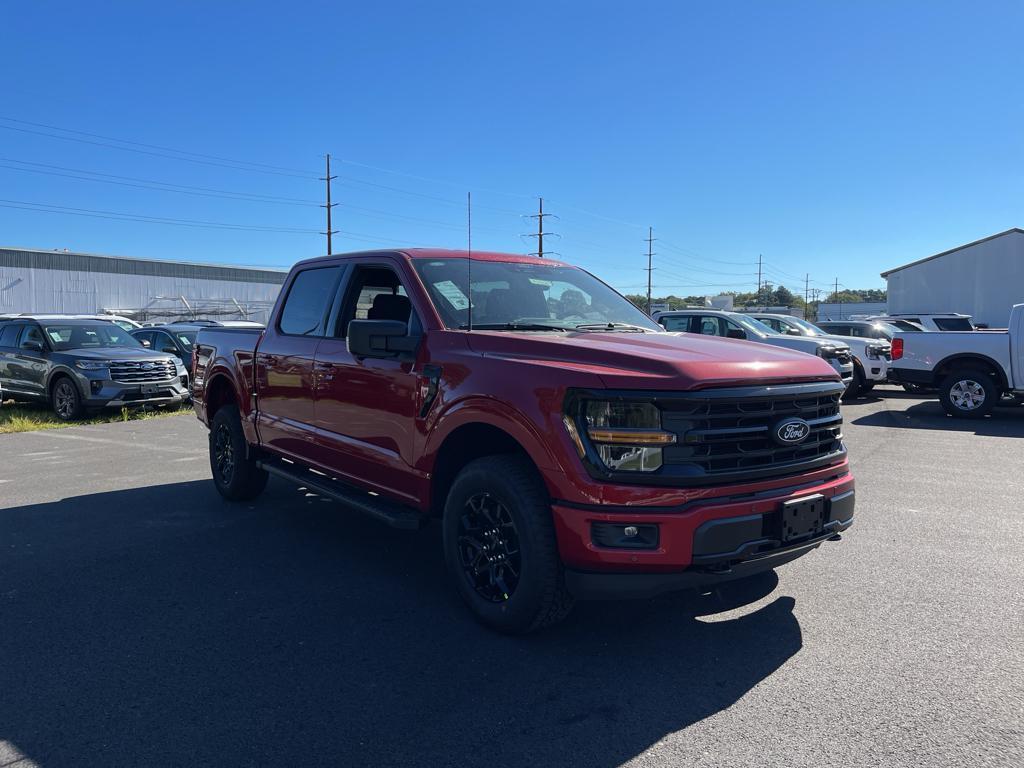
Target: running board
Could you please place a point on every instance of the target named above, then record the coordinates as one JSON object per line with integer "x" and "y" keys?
{"x": 392, "y": 513}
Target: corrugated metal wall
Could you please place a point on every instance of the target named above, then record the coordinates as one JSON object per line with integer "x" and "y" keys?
{"x": 984, "y": 280}
{"x": 42, "y": 281}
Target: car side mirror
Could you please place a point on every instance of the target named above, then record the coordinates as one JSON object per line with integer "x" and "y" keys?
{"x": 793, "y": 332}
{"x": 170, "y": 351}
{"x": 381, "y": 339}
{"x": 145, "y": 343}
{"x": 32, "y": 346}
{"x": 736, "y": 333}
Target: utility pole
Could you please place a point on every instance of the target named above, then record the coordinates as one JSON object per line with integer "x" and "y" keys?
{"x": 836, "y": 296}
{"x": 759, "y": 277}
{"x": 650, "y": 267}
{"x": 807, "y": 293}
{"x": 539, "y": 234}
{"x": 329, "y": 205}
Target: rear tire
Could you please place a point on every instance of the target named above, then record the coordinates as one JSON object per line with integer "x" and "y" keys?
{"x": 968, "y": 394}
{"x": 66, "y": 399}
{"x": 500, "y": 548}
{"x": 235, "y": 472}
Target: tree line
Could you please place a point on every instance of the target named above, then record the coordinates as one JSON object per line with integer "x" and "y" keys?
{"x": 769, "y": 296}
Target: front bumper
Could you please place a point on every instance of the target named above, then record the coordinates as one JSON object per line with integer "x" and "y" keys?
{"x": 698, "y": 546}
{"x": 845, "y": 370}
{"x": 106, "y": 393}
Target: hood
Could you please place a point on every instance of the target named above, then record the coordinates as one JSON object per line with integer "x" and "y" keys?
{"x": 808, "y": 344}
{"x": 116, "y": 353}
{"x": 655, "y": 360}
{"x": 857, "y": 340}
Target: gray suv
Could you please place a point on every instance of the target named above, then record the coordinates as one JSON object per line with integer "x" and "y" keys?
{"x": 76, "y": 364}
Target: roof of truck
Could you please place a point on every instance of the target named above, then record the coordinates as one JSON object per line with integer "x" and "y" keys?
{"x": 447, "y": 253}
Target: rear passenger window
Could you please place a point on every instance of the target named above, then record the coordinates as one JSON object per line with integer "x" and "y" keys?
{"x": 675, "y": 323}
{"x": 9, "y": 335}
{"x": 309, "y": 298}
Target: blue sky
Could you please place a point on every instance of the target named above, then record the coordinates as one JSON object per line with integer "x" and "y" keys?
{"x": 835, "y": 139}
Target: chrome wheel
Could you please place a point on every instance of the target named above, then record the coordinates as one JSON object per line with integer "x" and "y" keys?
{"x": 967, "y": 395}
{"x": 488, "y": 548}
{"x": 224, "y": 454}
{"x": 65, "y": 399}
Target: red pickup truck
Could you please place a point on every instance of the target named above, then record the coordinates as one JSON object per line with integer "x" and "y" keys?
{"x": 570, "y": 446}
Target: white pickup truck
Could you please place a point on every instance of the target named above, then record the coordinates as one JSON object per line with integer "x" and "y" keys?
{"x": 973, "y": 370}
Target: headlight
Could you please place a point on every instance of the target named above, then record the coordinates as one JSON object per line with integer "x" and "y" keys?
{"x": 876, "y": 351}
{"x": 627, "y": 436}
{"x": 827, "y": 352}
{"x": 92, "y": 365}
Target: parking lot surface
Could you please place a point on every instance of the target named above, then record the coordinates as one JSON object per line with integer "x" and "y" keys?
{"x": 145, "y": 622}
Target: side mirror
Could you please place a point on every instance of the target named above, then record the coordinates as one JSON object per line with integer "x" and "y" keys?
{"x": 736, "y": 333}
{"x": 145, "y": 343}
{"x": 793, "y": 332}
{"x": 32, "y": 346}
{"x": 170, "y": 351}
{"x": 381, "y": 338}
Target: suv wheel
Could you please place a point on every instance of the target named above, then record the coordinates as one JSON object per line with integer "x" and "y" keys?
{"x": 968, "y": 394}
{"x": 235, "y": 472}
{"x": 856, "y": 385}
{"x": 499, "y": 546}
{"x": 66, "y": 399}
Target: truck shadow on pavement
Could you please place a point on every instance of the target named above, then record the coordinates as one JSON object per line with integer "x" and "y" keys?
{"x": 1004, "y": 422}
{"x": 160, "y": 626}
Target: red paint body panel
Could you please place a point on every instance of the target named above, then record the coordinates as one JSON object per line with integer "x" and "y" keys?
{"x": 360, "y": 419}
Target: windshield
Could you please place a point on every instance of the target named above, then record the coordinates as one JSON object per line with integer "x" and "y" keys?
{"x": 756, "y": 326}
{"x": 527, "y": 296}
{"x": 98, "y": 336}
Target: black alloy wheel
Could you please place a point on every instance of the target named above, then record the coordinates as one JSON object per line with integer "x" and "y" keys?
{"x": 223, "y": 454}
{"x": 488, "y": 546}
{"x": 67, "y": 403}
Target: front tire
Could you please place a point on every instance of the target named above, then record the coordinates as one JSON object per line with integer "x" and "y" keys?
{"x": 500, "y": 548}
{"x": 854, "y": 388}
{"x": 968, "y": 394}
{"x": 66, "y": 400}
{"x": 235, "y": 472}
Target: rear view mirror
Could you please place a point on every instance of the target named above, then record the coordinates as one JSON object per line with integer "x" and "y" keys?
{"x": 32, "y": 346}
{"x": 381, "y": 338}
{"x": 736, "y": 333}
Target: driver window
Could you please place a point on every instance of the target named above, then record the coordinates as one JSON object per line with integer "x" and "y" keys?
{"x": 709, "y": 326}
{"x": 374, "y": 293}
{"x": 31, "y": 333}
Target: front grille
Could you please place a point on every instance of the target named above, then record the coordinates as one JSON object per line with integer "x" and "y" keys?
{"x": 142, "y": 371}
{"x": 728, "y": 435}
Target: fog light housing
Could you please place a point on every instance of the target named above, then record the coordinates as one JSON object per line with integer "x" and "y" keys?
{"x": 95, "y": 386}
{"x": 617, "y": 535}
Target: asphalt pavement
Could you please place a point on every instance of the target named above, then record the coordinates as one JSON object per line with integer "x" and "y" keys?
{"x": 144, "y": 622}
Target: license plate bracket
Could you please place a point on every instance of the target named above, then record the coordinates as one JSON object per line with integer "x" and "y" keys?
{"x": 150, "y": 389}
{"x": 803, "y": 518}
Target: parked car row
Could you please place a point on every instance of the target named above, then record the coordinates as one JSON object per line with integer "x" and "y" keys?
{"x": 76, "y": 363}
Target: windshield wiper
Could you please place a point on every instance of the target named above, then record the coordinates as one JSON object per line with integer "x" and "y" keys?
{"x": 612, "y": 327}
{"x": 515, "y": 327}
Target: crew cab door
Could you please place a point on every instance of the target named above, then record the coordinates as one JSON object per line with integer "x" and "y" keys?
{"x": 284, "y": 363}
{"x": 9, "y": 333}
{"x": 366, "y": 408}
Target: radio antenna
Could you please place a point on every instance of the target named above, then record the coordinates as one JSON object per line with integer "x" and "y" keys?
{"x": 469, "y": 260}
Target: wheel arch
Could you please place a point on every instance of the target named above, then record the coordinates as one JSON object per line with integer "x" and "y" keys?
{"x": 970, "y": 360}
{"x": 218, "y": 391}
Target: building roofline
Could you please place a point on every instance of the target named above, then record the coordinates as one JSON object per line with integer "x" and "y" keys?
{"x": 51, "y": 251}
{"x": 953, "y": 250}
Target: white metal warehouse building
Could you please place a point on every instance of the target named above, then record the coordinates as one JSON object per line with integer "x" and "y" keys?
{"x": 40, "y": 281}
{"x": 983, "y": 279}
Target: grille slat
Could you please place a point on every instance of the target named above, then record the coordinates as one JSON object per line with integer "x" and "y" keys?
{"x": 134, "y": 372}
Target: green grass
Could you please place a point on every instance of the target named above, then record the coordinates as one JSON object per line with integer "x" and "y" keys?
{"x": 28, "y": 418}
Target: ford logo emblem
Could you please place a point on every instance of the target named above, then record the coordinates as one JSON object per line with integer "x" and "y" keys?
{"x": 148, "y": 366}
{"x": 792, "y": 431}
